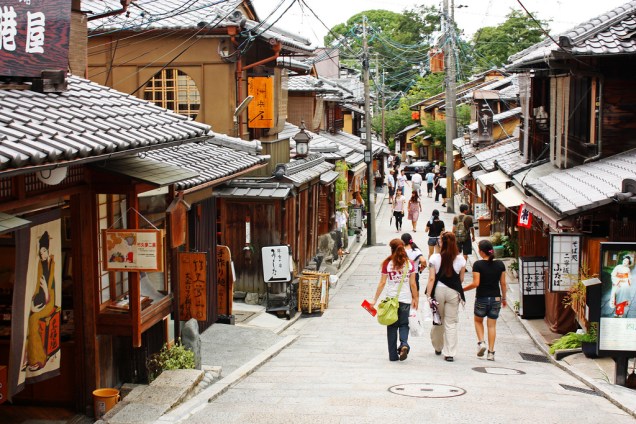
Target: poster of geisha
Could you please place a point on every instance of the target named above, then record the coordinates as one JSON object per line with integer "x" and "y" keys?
{"x": 36, "y": 327}
{"x": 133, "y": 250}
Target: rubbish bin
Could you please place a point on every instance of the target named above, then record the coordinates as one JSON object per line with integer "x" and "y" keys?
{"x": 104, "y": 400}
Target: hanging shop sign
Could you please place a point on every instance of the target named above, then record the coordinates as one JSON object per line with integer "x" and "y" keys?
{"x": 277, "y": 264}
{"x": 193, "y": 286}
{"x": 617, "y": 328}
{"x": 260, "y": 112}
{"x": 565, "y": 259}
{"x": 532, "y": 271}
{"x": 34, "y": 36}
{"x": 524, "y": 217}
{"x": 224, "y": 280}
{"x": 132, "y": 250}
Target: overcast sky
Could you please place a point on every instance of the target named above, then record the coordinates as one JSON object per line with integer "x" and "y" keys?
{"x": 564, "y": 14}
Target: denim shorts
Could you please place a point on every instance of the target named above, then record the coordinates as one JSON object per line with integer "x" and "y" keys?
{"x": 488, "y": 306}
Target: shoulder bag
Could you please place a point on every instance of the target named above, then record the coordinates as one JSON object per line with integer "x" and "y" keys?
{"x": 388, "y": 308}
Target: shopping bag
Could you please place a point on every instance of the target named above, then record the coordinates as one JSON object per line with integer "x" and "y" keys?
{"x": 427, "y": 314}
{"x": 437, "y": 318}
{"x": 416, "y": 325}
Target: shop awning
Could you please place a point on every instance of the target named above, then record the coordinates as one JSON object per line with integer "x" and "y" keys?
{"x": 11, "y": 223}
{"x": 461, "y": 173}
{"x": 493, "y": 177}
{"x": 358, "y": 168}
{"x": 511, "y": 197}
{"x": 329, "y": 177}
{"x": 544, "y": 213}
{"x": 147, "y": 170}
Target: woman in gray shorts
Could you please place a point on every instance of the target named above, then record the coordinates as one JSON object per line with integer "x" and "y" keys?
{"x": 488, "y": 276}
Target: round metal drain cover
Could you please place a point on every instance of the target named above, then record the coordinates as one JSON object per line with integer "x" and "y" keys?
{"x": 498, "y": 371}
{"x": 426, "y": 390}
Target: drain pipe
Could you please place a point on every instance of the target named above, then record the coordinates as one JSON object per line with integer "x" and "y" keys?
{"x": 276, "y": 46}
{"x": 600, "y": 125}
{"x": 124, "y": 8}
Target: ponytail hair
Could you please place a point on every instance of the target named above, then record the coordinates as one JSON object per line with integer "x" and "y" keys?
{"x": 448, "y": 252}
{"x": 408, "y": 239}
{"x": 398, "y": 254}
{"x": 486, "y": 247}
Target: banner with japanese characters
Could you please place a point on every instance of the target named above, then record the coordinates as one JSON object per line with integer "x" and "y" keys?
{"x": 34, "y": 36}
{"x": 565, "y": 259}
{"x": 524, "y": 218}
{"x": 193, "y": 285}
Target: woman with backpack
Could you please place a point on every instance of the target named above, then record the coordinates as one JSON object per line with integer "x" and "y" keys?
{"x": 488, "y": 276}
{"x": 445, "y": 277}
{"x": 415, "y": 255}
{"x": 434, "y": 227}
{"x": 464, "y": 231}
{"x": 398, "y": 275}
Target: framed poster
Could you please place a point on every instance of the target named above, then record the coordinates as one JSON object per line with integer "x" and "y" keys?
{"x": 565, "y": 259}
{"x": 277, "y": 264}
{"x": 132, "y": 250}
{"x": 481, "y": 210}
{"x": 193, "y": 286}
{"x": 617, "y": 329}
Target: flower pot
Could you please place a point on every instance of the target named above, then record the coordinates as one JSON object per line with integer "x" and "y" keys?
{"x": 499, "y": 251}
{"x": 589, "y": 349}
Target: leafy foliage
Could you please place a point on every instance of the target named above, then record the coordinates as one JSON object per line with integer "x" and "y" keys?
{"x": 494, "y": 45}
{"x": 568, "y": 341}
{"x": 176, "y": 357}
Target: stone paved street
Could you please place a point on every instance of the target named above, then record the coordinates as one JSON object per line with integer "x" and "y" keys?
{"x": 338, "y": 370}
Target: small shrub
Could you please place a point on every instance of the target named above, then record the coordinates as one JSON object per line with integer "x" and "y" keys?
{"x": 496, "y": 239}
{"x": 591, "y": 335}
{"x": 176, "y": 357}
{"x": 569, "y": 341}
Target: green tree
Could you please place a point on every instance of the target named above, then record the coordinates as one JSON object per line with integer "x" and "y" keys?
{"x": 494, "y": 45}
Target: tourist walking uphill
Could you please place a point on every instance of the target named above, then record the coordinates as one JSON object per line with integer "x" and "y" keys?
{"x": 398, "y": 275}
{"x": 488, "y": 276}
{"x": 445, "y": 277}
{"x": 399, "y": 205}
{"x": 415, "y": 255}
{"x": 414, "y": 209}
{"x": 390, "y": 180}
{"x": 434, "y": 227}
{"x": 464, "y": 230}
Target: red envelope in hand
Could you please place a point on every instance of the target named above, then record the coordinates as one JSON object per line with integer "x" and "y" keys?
{"x": 366, "y": 305}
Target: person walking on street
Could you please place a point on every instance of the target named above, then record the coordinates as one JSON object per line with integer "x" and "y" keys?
{"x": 399, "y": 205}
{"x": 396, "y": 162}
{"x": 445, "y": 277}
{"x": 401, "y": 181}
{"x": 398, "y": 270}
{"x": 391, "y": 184}
{"x": 464, "y": 231}
{"x": 415, "y": 255}
{"x": 436, "y": 168}
{"x": 414, "y": 209}
{"x": 434, "y": 228}
{"x": 342, "y": 218}
{"x": 430, "y": 176}
{"x": 488, "y": 276}
{"x": 435, "y": 185}
{"x": 441, "y": 190}
{"x": 416, "y": 182}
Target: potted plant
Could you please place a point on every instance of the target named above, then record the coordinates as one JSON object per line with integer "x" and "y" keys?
{"x": 589, "y": 339}
{"x": 175, "y": 357}
{"x": 513, "y": 267}
{"x": 497, "y": 242}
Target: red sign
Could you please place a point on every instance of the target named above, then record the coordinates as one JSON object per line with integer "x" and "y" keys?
{"x": 524, "y": 218}
{"x": 193, "y": 286}
{"x": 34, "y": 36}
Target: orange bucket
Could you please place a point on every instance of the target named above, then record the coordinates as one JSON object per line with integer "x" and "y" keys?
{"x": 104, "y": 400}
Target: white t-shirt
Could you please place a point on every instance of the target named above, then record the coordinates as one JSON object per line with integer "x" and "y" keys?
{"x": 435, "y": 262}
{"x": 401, "y": 180}
{"x": 414, "y": 254}
{"x": 393, "y": 281}
{"x": 416, "y": 178}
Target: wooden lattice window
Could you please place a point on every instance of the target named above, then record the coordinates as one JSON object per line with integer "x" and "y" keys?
{"x": 175, "y": 90}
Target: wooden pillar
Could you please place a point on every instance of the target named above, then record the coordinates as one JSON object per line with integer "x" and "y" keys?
{"x": 133, "y": 277}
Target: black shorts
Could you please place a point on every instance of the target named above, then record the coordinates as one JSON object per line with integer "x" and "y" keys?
{"x": 465, "y": 247}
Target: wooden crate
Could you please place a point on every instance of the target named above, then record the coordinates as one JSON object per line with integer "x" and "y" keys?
{"x": 313, "y": 291}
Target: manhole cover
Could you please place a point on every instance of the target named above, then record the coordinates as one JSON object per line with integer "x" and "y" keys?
{"x": 426, "y": 390}
{"x": 498, "y": 371}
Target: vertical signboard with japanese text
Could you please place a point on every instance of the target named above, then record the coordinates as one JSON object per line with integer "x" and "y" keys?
{"x": 260, "y": 111}
{"x": 192, "y": 286}
{"x": 565, "y": 257}
{"x": 34, "y": 36}
{"x": 276, "y": 264}
{"x": 224, "y": 280}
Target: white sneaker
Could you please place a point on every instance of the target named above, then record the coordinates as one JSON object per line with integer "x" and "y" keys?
{"x": 481, "y": 348}
{"x": 491, "y": 356}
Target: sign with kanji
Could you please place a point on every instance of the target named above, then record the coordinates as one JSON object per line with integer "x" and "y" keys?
{"x": 524, "y": 217}
{"x": 192, "y": 286}
{"x": 276, "y": 264}
{"x": 224, "y": 280}
{"x": 355, "y": 217}
{"x": 532, "y": 286}
{"x": 260, "y": 112}
{"x": 34, "y": 36}
{"x": 132, "y": 250}
{"x": 565, "y": 258}
{"x": 484, "y": 125}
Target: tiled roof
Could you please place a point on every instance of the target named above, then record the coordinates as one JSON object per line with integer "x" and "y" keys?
{"x": 219, "y": 157}
{"x": 248, "y": 188}
{"x": 309, "y": 83}
{"x": 376, "y": 145}
{"x": 584, "y": 187}
{"x": 318, "y": 144}
{"x": 487, "y": 157}
{"x": 610, "y": 33}
{"x": 513, "y": 163}
{"x": 506, "y": 88}
{"x": 86, "y": 121}
{"x": 302, "y": 171}
{"x": 196, "y": 15}
{"x": 499, "y": 117}
{"x": 408, "y": 128}
{"x": 461, "y": 90}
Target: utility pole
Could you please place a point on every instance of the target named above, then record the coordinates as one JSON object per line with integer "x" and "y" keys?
{"x": 383, "y": 108}
{"x": 368, "y": 154}
{"x": 451, "y": 100}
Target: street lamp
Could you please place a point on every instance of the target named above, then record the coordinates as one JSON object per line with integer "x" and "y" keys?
{"x": 302, "y": 141}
